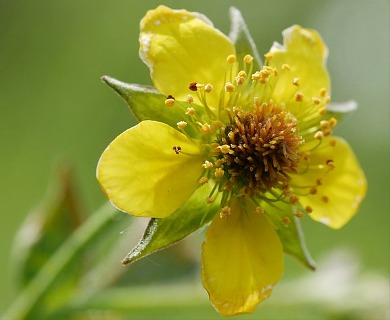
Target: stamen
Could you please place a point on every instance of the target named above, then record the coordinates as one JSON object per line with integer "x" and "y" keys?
{"x": 268, "y": 56}
{"x": 331, "y": 165}
{"x": 219, "y": 173}
{"x": 299, "y": 214}
{"x": 200, "y": 86}
{"x": 189, "y": 98}
{"x": 231, "y": 59}
{"x": 190, "y": 111}
{"x": 295, "y": 82}
{"x": 229, "y": 87}
{"x": 319, "y": 135}
{"x": 193, "y": 86}
{"x": 177, "y": 149}
{"x": 256, "y": 76}
{"x": 324, "y": 199}
{"x": 181, "y": 125}
{"x": 298, "y": 96}
{"x": 205, "y": 128}
{"x": 240, "y": 78}
{"x": 248, "y": 59}
{"x": 202, "y": 181}
{"x": 264, "y": 74}
{"x": 224, "y": 148}
{"x": 316, "y": 100}
{"x": 332, "y": 122}
{"x": 322, "y": 92}
{"x": 207, "y": 165}
{"x": 208, "y": 88}
{"x": 309, "y": 209}
{"x": 225, "y": 212}
{"x": 260, "y": 210}
{"x": 286, "y": 220}
{"x": 210, "y": 200}
{"x": 170, "y": 101}
{"x": 322, "y": 111}
{"x": 294, "y": 200}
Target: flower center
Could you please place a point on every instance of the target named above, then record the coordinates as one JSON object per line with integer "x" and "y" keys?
{"x": 251, "y": 145}
{"x": 257, "y": 150}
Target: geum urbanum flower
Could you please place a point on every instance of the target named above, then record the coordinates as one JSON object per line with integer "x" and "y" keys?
{"x": 226, "y": 140}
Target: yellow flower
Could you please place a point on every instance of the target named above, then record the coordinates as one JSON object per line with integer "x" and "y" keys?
{"x": 259, "y": 137}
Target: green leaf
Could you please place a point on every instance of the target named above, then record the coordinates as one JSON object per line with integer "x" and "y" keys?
{"x": 241, "y": 38}
{"x": 290, "y": 233}
{"x": 340, "y": 110}
{"x": 149, "y": 104}
{"x": 47, "y": 227}
{"x": 161, "y": 233}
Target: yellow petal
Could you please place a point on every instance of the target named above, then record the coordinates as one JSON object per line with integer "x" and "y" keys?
{"x": 242, "y": 259}
{"x": 305, "y": 54}
{"x": 182, "y": 47}
{"x": 340, "y": 191}
{"x": 141, "y": 173}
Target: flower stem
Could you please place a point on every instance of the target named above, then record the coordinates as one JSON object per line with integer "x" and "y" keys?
{"x": 25, "y": 302}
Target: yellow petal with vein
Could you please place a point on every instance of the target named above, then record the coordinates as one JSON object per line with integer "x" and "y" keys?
{"x": 340, "y": 190}
{"x": 182, "y": 47}
{"x": 141, "y": 173}
{"x": 242, "y": 259}
{"x": 305, "y": 54}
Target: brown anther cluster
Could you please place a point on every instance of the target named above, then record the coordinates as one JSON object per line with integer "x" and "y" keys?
{"x": 259, "y": 149}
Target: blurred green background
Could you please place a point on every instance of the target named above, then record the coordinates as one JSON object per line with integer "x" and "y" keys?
{"x": 54, "y": 107}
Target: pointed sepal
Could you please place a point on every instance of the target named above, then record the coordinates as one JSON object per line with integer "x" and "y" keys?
{"x": 241, "y": 38}
{"x": 284, "y": 218}
{"x": 339, "y": 110}
{"x": 161, "y": 233}
{"x": 147, "y": 103}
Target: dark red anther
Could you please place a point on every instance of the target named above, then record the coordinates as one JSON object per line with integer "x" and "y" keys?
{"x": 193, "y": 86}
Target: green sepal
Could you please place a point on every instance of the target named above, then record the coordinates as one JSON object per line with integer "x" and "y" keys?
{"x": 294, "y": 244}
{"x": 58, "y": 216}
{"x": 340, "y": 110}
{"x": 290, "y": 231}
{"x": 147, "y": 103}
{"x": 161, "y": 233}
{"x": 241, "y": 38}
